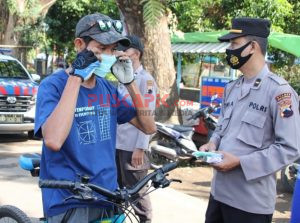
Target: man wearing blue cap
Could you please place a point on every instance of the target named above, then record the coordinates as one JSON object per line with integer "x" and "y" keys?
{"x": 257, "y": 132}
{"x": 77, "y": 115}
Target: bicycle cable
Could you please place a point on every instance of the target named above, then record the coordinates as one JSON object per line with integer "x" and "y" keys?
{"x": 122, "y": 209}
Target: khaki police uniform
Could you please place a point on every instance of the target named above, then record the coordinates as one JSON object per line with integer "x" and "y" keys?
{"x": 126, "y": 131}
{"x": 129, "y": 138}
{"x": 262, "y": 128}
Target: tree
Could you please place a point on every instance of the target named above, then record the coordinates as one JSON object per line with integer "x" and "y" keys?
{"x": 292, "y": 24}
{"x": 189, "y": 15}
{"x": 64, "y": 15}
{"x": 158, "y": 58}
{"x": 207, "y": 15}
{"x": 19, "y": 19}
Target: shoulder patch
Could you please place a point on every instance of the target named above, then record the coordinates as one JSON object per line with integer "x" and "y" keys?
{"x": 285, "y": 108}
{"x": 284, "y": 102}
{"x": 277, "y": 79}
{"x": 150, "y": 84}
{"x": 283, "y": 96}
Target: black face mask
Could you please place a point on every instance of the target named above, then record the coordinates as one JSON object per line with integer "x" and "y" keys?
{"x": 234, "y": 57}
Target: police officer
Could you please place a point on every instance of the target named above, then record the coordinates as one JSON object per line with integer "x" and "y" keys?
{"x": 131, "y": 144}
{"x": 257, "y": 132}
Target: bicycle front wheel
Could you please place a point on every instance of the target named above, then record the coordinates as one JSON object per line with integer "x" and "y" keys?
{"x": 11, "y": 214}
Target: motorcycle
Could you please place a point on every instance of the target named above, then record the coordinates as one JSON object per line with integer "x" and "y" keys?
{"x": 289, "y": 176}
{"x": 177, "y": 142}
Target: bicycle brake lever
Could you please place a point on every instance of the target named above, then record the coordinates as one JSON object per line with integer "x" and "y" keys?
{"x": 175, "y": 180}
{"x": 81, "y": 198}
{"x": 72, "y": 197}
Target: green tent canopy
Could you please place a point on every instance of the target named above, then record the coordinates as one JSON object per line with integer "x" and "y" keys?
{"x": 285, "y": 42}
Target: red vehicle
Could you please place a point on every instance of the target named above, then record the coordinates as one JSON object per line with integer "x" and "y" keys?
{"x": 174, "y": 142}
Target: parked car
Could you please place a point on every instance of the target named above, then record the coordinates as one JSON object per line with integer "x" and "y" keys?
{"x": 18, "y": 90}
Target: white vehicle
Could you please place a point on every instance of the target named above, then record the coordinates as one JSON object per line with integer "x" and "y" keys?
{"x": 18, "y": 90}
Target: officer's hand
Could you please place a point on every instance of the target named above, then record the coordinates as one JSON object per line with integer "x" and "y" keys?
{"x": 208, "y": 147}
{"x": 84, "y": 65}
{"x": 137, "y": 158}
{"x": 123, "y": 70}
{"x": 229, "y": 162}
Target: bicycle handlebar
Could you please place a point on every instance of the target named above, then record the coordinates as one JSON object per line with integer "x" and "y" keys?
{"x": 169, "y": 167}
{"x": 121, "y": 194}
{"x": 166, "y": 168}
{"x": 56, "y": 184}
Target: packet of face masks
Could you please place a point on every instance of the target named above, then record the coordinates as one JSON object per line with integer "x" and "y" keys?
{"x": 208, "y": 157}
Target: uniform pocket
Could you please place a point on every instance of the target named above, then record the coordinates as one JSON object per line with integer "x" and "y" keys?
{"x": 223, "y": 124}
{"x": 252, "y": 129}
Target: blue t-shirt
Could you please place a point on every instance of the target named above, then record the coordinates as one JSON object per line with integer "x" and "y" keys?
{"x": 90, "y": 146}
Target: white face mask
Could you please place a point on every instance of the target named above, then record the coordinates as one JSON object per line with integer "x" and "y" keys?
{"x": 107, "y": 61}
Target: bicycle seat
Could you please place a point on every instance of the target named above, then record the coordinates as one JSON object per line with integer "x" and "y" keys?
{"x": 188, "y": 134}
{"x": 182, "y": 128}
{"x": 30, "y": 161}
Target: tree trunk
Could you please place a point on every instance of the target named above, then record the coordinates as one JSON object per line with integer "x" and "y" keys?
{"x": 157, "y": 59}
{"x": 4, "y": 20}
{"x": 9, "y": 31}
{"x": 9, "y": 20}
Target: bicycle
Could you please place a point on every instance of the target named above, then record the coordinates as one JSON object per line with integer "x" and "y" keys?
{"x": 82, "y": 190}
{"x": 9, "y": 213}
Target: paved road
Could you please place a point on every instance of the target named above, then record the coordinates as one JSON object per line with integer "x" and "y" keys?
{"x": 20, "y": 189}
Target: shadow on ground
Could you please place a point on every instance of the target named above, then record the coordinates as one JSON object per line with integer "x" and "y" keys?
{"x": 13, "y": 138}
{"x": 203, "y": 183}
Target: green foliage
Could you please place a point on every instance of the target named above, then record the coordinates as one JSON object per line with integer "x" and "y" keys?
{"x": 153, "y": 10}
{"x": 30, "y": 34}
{"x": 281, "y": 58}
{"x": 64, "y": 15}
{"x": 208, "y": 15}
{"x": 293, "y": 23}
{"x": 188, "y": 14}
{"x": 291, "y": 74}
{"x": 201, "y": 15}
{"x": 12, "y": 6}
{"x": 275, "y": 10}
{"x": 27, "y": 28}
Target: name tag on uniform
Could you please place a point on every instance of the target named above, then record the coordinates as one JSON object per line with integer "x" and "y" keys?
{"x": 258, "y": 107}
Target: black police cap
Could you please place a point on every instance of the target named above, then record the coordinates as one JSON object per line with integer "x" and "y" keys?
{"x": 247, "y": 26}
{"x": 135, "y": 42}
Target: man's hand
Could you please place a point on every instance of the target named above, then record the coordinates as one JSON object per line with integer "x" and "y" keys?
{"x": 123, "y": 70}
{"x": 208, "y": 147}
{"x": 137, "y": 158}
{"x": 84, "y": 65}
{"x": 229, "y": 162}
